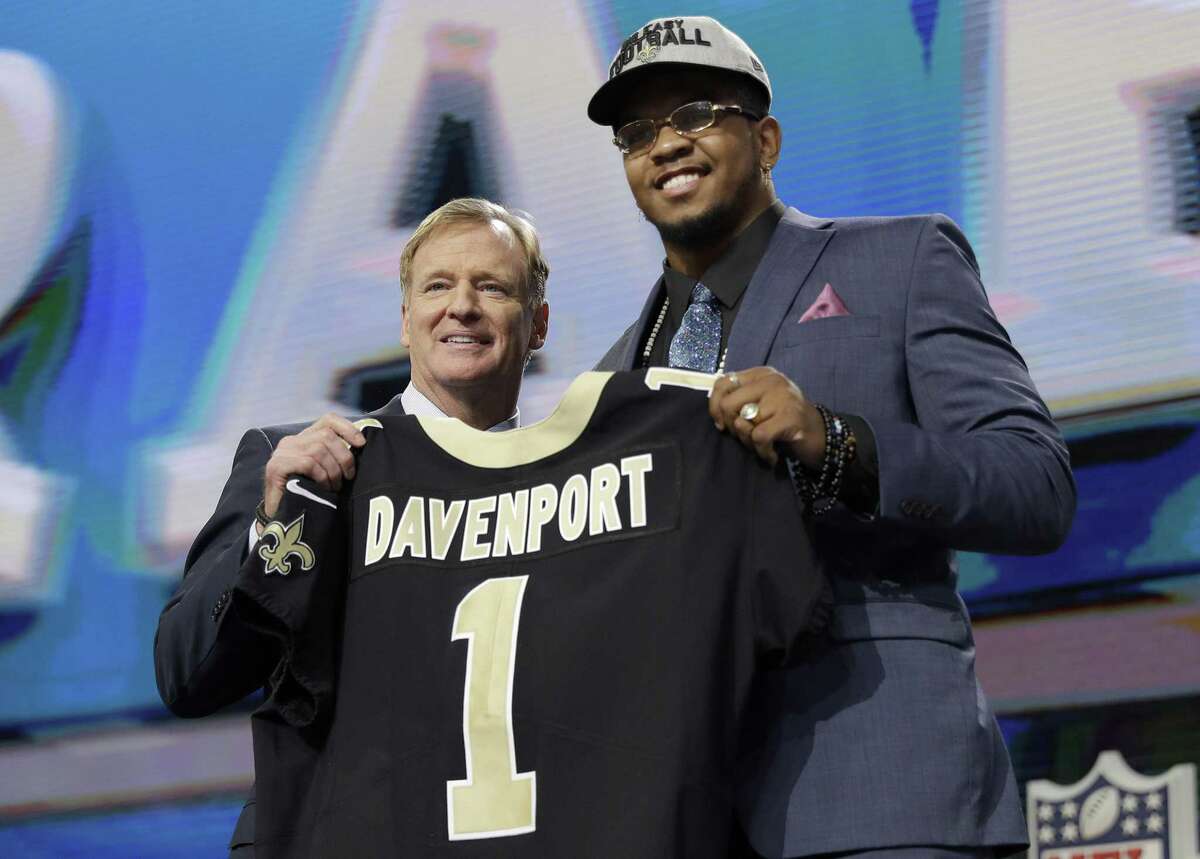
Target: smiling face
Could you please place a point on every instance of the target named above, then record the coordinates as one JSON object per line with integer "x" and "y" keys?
{"x": 701, "y": 189}
{"x": 467, "y": 322}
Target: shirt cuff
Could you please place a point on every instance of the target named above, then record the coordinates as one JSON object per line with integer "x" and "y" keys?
{"x": 860, "y": 483}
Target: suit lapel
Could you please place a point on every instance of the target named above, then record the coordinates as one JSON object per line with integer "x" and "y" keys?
{"x": 779, "y": 278}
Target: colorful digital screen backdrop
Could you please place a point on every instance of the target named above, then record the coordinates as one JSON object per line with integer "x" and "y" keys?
{"x": 201, "y": 210}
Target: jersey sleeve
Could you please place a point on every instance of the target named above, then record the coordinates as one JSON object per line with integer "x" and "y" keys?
{"x": 792, "y": 597}
{"x": 291, "y": 587}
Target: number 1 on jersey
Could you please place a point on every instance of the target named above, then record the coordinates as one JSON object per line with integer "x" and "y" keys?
{"x": 494, "y": 799}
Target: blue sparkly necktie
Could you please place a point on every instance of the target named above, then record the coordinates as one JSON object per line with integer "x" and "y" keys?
{"x": 698, "y": 340}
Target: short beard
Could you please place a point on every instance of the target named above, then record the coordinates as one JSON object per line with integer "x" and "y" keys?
{"x": 713, "y": 227}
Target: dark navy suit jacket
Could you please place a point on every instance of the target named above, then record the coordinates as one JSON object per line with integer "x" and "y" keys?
{"x": 204, "y": 659}
{"x": 888, "y": 740}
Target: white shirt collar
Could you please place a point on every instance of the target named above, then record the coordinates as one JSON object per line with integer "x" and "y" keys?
{"x": 416, "y": 403}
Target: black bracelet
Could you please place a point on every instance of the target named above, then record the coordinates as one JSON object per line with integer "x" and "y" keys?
{"x": 826, "y": 485}
{"x": 820, "y": 495}
{"x": 260, "y": 514}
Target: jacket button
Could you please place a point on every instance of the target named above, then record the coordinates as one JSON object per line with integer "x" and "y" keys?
{"x": 906, "y": 507}
{"x": 222, "y": 601}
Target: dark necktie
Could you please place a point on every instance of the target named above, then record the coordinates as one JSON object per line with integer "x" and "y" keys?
{"x": 697, "y": 343}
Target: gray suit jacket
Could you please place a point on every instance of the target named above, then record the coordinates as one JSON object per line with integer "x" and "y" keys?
{"x": 887, "y": 740}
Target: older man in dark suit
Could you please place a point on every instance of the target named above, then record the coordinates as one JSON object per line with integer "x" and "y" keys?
{"x": 867, "y": 355}
{"x": 474, "y": 282}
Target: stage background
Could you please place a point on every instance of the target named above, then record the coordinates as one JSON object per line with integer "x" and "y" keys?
{"x": 201, "y": 209}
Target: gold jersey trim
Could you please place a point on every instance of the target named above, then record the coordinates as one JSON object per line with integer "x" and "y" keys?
{"x": 528, "y": 444}
{"x": 656, "y": 377}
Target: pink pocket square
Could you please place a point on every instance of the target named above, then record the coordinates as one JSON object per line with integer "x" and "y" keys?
{"x": 827, "y": 304}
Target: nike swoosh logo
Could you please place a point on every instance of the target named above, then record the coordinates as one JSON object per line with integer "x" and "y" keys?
{"x": 293, "y": 485}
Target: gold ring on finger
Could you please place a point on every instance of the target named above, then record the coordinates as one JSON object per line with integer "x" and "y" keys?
{"x": 749, "y": 412}
{"x": 734, "y": 381}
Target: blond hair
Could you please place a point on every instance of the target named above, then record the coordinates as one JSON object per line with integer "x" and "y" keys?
{"x": 474, "y": 210}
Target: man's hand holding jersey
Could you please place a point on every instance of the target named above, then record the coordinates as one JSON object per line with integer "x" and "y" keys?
{"x": 322, "y": 451}
{"x": 765, "y": 411}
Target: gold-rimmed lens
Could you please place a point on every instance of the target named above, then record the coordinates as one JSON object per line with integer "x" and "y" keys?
{"x": 635, "y": 136}
{"x": 694, "y": 116}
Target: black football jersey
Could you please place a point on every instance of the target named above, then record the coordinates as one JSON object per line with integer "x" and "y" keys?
{"x": 534, "y": 643}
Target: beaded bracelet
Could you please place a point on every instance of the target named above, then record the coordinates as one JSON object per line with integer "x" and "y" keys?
{"x": 820, "y": 495}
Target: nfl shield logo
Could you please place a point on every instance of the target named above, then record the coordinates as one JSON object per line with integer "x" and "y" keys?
{"x": 1114, "y": 813}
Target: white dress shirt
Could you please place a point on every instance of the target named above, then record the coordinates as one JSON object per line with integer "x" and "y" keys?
{"x": 416, "y": 403}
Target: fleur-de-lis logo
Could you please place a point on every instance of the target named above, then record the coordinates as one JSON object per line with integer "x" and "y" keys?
{"x": 286, "y": 542}
{"x": 647, "y": 53}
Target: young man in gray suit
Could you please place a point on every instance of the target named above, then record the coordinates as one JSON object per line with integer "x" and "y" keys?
{"x": 474, "y": 282}
{"x": 866, "y": 354}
